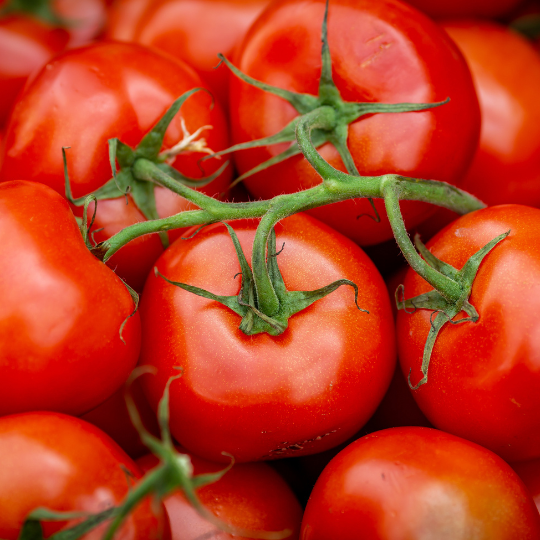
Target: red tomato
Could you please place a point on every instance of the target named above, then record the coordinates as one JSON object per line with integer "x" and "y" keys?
{"x": 26, "y": 44}
{"x": 379, "y": 54}
{"x": 506, "y": 72}
{"x": 85, "y": 18}
{"x": 89, "y": 95}
{"x": 465, "y": 8}
{"x": 529, "y": 472}
{"x": 192, "y": 30}
{"x": 251, "y": 496}
{"x": 61, "y": 309}
{"x": 484, "y": 377}
{"x": 62, "y": 463}
{"x": 263, "y": 397}
{"x": 405, "y": 483}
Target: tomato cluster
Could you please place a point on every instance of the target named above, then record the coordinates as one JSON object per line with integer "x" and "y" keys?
{"x": 199, "y": 273}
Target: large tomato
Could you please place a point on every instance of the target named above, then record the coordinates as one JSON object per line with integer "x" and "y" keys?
{"x": 91, "y": 94}
{"x": 250, "y": 496}
{"x": 413, "y": 482}
{"x": 192, "y": 30}
{"x": 506, "y": 73}
{"x": 381, "y": 51}
{"x": 262, "y": 397}
{"x": 65, "y": 464}
{"x": 483, "y": 378}
{"x": 61, "y": 309}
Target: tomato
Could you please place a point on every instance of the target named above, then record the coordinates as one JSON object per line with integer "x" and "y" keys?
{"x": 262, "y": 397}
{"x": 61, "y": 309}
{"x": 85, "y": 18}
{"x": 417, "y": 482}
{"x": 483, "y": 377}
{"x": 113, "y": 90}
{"x": 379, "y": 54}
{"x": 250, "y": 496}
{"x": 192, "y": 30}
{"x": 506, "y": 72}
{"x": 26, "y": 44}
{"x": 465, "y": 8}
{"x": 62, "y": 463}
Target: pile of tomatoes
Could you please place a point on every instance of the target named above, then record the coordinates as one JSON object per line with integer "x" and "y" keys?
{"x": 329, "y": 436}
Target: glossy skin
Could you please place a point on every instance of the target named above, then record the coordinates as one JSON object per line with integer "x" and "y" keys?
{"x": 113, "y": 90}
{"x": 412, "y": 483}
{"x": 483, "y": 377}
{"x": 61, "y": 309}
{"x": 251, "y": 496}
{"x": 465, "y": 8}
{"x": 506, "y": 72}
{"x": 25, "y": 46}
{"x": 62, "y": 463}
{"x": 193, "y": 30}
{"x": 264, "y": 397}
{"x": 379, "y": 53}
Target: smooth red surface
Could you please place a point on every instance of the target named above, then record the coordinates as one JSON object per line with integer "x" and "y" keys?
{"x": 411, "y": 483}
{"x": 483, "y": 377}
{"x": 506, "y": 71}
{"x": 465, "y": 8}
{"x": 251, "y": 496}
{"x": 61, "y": 309}
{"x": 25, "y": 46}
{"x": 91, "y": 94}
{"x": 62, "y": 463}
{"x": 260, "y": 397}
{"x": 382, "y": 52}
{"x": 193, "y": 30}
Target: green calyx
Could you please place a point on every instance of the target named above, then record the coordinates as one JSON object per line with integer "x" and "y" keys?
{"x": 142, "y": 189}
{"x": 328, "y": 127}
{"x": 444, "y": 310}
{"x": 174, "y": 473}
{"x": 39, "y": 9}
{"x": 256, "y": 317}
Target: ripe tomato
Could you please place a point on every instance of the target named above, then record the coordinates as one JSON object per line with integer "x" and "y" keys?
{"x": 262, "y": 397}
{"x": 26, "y": 44}
{"x": 484, "y": 377}
{"x": 193, "y": 30}
{"x": 414, "y": 482}
{"x": 506, "y": 72}
{"x": 65, "y": 464}
{"x": 61, "y": 309}
{"x": 379, "y": 54}
{"x": 113, "y": 90}
{"x": 529, "y": 472}
{"x": 250, "y": 496}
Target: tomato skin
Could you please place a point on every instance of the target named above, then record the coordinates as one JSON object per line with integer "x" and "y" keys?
{"x": 405, "y": 483}
{"x": 113, "y": 90}
{"x": 483, "y": 377}
{"x": 260, "y": 397}
{"x": 506, "y": 72}
{"x": 389, "y": 41}
{"x": 192, "y": 30}
{"x": 26, "y": 44}
{"x": 62, "y": 463}
{"x": 61, "y": 309}
{"x": 252, "y": 496}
